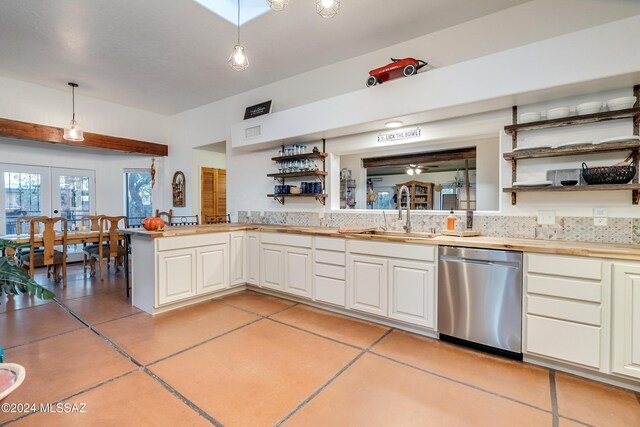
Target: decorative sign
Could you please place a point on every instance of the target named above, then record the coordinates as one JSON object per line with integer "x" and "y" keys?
{"x": 178, "y": 185}
{"x": 257, "y": 110}
{"x": 397, "y": 136}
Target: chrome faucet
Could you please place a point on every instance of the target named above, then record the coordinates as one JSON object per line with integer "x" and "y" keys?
{"x": 407, "y": 226}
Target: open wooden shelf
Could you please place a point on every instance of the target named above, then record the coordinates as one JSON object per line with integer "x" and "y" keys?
{"x": 574, "y": 120}
{"x": 321, "y": 197}
{"x": 297, "y": 174}
{"x": 312, "y": 155}
{"x": 572, "y": 151}
{"x": 603, "y": 187}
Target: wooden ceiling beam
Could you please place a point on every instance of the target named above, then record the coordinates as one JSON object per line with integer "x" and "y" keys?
{"x": 54, "y": 135}
{"x": 421, "y": 158}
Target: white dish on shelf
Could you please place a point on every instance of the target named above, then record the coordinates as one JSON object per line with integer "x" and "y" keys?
{"x": 574, "y": 144}
{"x": 589, "y": 107}
{"x": 621, "y": 103}
{"x": 533, "y": 116}
{"x": 533, "y": 147}
{"x": 558, "y": 113}
{"x": 533, "y": 183}
{"x": 619, "y": 139}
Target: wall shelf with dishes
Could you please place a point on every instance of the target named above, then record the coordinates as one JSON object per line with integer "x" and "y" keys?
{"x": 295, "y": 162}
{"x": 612, "y": 178}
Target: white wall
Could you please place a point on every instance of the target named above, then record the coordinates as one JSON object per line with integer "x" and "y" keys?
{"x": 38, "y": 104}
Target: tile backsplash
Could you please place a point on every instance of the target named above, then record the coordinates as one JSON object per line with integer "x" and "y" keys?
{"x": 579, "y": 229}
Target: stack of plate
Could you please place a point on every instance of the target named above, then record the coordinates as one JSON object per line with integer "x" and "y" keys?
{"x": 621, "y": 103}
{"x": 533, "y": 183}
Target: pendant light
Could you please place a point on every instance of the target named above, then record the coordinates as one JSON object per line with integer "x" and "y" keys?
{"x": 327, "y": 8}
{"x": 72, "y": 131}
{"x": 278, "y": 5}
{"x": 238, "y": 60}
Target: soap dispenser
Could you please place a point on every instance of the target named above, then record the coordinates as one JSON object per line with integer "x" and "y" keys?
{"x": 451, "y": 221}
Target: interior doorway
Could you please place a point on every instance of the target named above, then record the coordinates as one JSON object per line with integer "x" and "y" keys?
{"x": 213, "y": 193}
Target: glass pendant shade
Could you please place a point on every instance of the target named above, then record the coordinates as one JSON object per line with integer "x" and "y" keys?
{"x": 327, "y": 8}
{"x": 410, "y": 171}
{"x": 278, "y": 5}
{"x": 238, "y": 60}
{"x": 73, "y": 132}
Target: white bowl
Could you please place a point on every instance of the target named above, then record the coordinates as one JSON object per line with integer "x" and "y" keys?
{"x": 589, "y": 107}
{"x": 557, "y": 113}
{"x": 20, "y": 374}
{"x": 621, "y": 103}
{"x": 530, "y": 117}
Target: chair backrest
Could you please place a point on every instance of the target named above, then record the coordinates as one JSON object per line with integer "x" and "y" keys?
{"x": 186, "y": 220}
{"x": 109, "y": 225}
{"x": 166, "y": 216}
{"x": 48, "y": 238}
{"x": 217, "y": 219}
{"x": 93, "y": 221}
{"x": 26, "y": 219}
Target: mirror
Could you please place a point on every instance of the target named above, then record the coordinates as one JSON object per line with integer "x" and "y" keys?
{"x": 436, "y": 180}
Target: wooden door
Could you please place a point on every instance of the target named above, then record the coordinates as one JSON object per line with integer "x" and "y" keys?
{"x": 213, "y": 194}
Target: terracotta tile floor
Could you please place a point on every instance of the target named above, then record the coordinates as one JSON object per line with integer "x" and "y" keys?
{"x": 256, "y": 360}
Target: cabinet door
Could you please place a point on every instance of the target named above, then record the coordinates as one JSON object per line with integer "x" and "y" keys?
{"x": 626, "y": 320}
{"x": 272, "y": 266}
{"x": 213, "y": 268}
{"x": 253, "y": 258}
{"x": 297, "y": 271}
{"x": 412, "y": 292}
{"x": 368, "y": 288}
{"x": 176, "y": 275}
{"x": 237, "y": 247}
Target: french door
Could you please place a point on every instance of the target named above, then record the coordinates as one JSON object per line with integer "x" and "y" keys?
{"x": 36, "y": 190}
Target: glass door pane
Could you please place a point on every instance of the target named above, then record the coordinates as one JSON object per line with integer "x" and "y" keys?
{"x": 25, "y": 193}
{"x": 138, "y": 195}
{"x": 73, "y": 197}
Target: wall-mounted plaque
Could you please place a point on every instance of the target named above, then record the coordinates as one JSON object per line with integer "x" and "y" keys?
{"x": 257, "y": 110}
{"x": 179, "y": 190}
{"x": 399, "y": 135}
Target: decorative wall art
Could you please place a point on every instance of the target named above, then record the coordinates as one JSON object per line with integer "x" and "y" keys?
{"x": 179, "y": 190}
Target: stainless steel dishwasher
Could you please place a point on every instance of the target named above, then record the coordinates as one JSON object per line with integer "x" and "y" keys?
{"x": 480, "y": 299}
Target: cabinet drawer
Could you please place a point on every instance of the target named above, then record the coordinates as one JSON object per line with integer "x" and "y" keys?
{"x": 331, "y": 291}
{"x": 332, "y": 271}
{"x": 180, "y": 242}
{"x": 562, "y": 340}
{"x": 285, "y": 239}
{"x": 564, "y": 288}
{"x": 335, "y": 258}
{"x": 566, "y": 266}
{"x": 565, "y": 310}
{"x": 394, "y": 250}
{"x": 331, "y": 244}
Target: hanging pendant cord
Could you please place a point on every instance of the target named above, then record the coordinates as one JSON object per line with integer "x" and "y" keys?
{"x": 238, "y": 22}
{"x": 73, "y": 102}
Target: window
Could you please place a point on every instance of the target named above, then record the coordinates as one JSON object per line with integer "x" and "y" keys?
{"x": 21, "y": 197}
{"x": 138, "y": 195}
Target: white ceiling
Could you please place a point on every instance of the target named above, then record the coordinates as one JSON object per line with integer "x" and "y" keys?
{"x": 168, "y": 56}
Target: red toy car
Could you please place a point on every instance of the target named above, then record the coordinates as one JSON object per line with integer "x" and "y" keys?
{"x": 399, "y": 67}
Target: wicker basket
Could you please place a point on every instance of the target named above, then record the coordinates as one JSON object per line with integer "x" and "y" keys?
{"x": 608, "y": 174}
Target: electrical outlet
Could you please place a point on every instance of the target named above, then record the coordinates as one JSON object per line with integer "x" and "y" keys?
{"x": 600, "y": 212}
{"x": 600, "y": 222}
{"x": 546, "y": 217}
{"x": 321, "y": 214}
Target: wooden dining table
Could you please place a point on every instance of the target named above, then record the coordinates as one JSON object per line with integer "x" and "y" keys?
{"x": 73, "y": 238}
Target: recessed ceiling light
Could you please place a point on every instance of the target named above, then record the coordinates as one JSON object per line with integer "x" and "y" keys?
{"x": 394, "y": 124}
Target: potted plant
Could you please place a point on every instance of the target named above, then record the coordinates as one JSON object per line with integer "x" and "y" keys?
{"x": 13, "y": 281}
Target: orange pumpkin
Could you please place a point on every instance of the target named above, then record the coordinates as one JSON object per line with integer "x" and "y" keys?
{"x": 153, "y": 223}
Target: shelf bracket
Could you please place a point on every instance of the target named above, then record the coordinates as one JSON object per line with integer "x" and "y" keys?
{"x": 279, "y": 200}
{"x": 279, "y": 179}
{"x": 322, "y": 200}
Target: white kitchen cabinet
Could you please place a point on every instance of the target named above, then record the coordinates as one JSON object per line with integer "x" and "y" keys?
{"x": 369, "y": 284}
{"x": 330, "y": 272}
{"x": 212, "y": 264}
{"x": 252, "y": 259}
{"x": 272, "y": 266}
{"x": 297, "y": 277}
{"x": 176, "y": 275}
{"x": 565, "y": 307}
{"x": 625, "y": 354}
{"x": 412, "y": 292}
{"x": 237, "y": 249}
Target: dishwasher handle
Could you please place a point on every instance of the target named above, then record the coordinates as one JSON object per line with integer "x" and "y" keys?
{"x": 478, "y": 261}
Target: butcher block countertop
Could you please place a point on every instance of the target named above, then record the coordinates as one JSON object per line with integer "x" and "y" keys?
{"x": 599, "y": 250}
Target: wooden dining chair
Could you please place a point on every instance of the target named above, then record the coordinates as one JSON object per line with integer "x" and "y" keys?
{"x": 111, "y": 244}
{"x": 166, "y": 216}
{"x": 49, "y": 256}
{"x": 27, "y": 220}
{"x": 92, "y": 222}
{"x": 185, "y": 220}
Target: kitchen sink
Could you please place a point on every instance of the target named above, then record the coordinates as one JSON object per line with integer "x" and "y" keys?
{"x": 413, "y": 235}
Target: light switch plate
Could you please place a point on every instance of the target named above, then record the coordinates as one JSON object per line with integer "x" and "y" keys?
{"x": 547, "y": 217}
{"x": 600, "y": 222}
